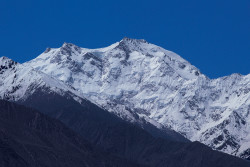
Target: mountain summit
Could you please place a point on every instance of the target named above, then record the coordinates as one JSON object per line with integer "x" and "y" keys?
{"x": 139, "y": 81}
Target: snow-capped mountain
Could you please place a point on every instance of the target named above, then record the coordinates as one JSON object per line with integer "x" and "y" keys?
{"x": 25, "y": 85}
{"x": 17, "y": 82}
{"x": 113, "y": 72}
{"x": 134, "y": 78}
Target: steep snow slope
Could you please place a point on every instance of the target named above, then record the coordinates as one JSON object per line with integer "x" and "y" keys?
{"x": 135, "y": 78}
{"x": 17, "y": 81}
{"x": 25, "y": 85}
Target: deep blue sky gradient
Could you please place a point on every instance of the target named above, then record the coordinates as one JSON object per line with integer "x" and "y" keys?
{"x": 213, "y": 35}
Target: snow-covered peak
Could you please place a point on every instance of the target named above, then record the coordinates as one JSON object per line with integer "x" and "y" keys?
{"x": 18, "y": 81}
{"x": 133, "y": 41}
{"x": 141, "y": 45}
{"x": 78, "y": 66}
{"x": 134, "y": 78}
{"x": 127, "y": 50}
{"x": 67, "y": 45}
{"x": 6, "y": 62}
{"x": 125, "y": 67}
{"x": 69, "y": 49}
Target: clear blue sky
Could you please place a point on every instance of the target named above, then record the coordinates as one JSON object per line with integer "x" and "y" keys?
{"x": 214, "y": 35}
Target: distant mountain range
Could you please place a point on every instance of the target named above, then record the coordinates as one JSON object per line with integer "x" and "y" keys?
{"x": 157, "y": 96}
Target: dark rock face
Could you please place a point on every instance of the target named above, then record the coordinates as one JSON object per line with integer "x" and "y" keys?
{"x": 6, "y": 63}
{"x": 117, "y": 137}
{"x": 83, "y": 117}
{"x": 246, "y": 155}
{"x": 29, "y": 138}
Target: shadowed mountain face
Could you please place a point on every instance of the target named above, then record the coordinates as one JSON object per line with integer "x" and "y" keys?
{"x": 126, "y": 140}
{"x": 85, "y": 116}
{"x": 29, "y": 138}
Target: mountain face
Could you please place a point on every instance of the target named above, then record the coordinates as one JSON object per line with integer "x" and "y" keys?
{"x": 86, "y": 118}
{"x": 25, "y": 85}
{"x": 135, "y": 79}
{"x": 141, "y": 83}
{"x": 31, "y": 139}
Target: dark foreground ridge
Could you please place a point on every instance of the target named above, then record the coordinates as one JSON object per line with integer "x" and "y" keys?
{"x": 31, "y": 139}
{"x": 128, "y": 141}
